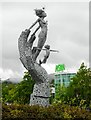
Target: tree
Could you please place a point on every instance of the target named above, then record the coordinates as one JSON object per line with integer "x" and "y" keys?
{"x": 23, "y": 90}
{"x": 80, "y": 88}
{"x": 7, "y": 86}
{"x": 18, "y": 93}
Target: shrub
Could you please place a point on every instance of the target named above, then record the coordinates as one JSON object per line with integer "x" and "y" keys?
{"x": 54, "y": 112}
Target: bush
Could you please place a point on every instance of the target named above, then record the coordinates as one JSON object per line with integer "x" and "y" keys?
{"x": 26, "y": 112}
{"x": 54, "y": 112}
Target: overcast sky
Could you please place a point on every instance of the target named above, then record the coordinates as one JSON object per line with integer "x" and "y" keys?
{"x": 68, "y": 32}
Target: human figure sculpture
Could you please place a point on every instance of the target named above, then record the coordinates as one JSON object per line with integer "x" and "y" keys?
{"x": 43, "y": 34}
{"x": 28, "y": 55}
{"x": 46, "y": 55}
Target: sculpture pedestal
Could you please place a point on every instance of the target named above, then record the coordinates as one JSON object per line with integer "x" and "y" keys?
{"x": 40, "y": 95}
{"x": 39, "y": 100}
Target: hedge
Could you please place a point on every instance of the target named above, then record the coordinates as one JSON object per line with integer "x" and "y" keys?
{"x": 53, "y": 112}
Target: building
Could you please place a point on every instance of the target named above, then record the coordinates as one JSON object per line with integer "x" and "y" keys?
{"x": 63, "y": 78}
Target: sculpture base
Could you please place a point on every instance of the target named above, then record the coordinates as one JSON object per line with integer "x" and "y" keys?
{"x": 39, "y": 100}
{"x": 40, "y": 95}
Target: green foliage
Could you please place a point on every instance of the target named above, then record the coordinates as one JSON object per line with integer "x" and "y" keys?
{"x": 7, "y": 88}
{"x": 78, "y": 93}
{"x": 24, "y": 89}
{"x": 60, "y": 92}
{"x": 55, "y": 111}
{"x": 80, "y": 88}
{"x": 18, "y": 93}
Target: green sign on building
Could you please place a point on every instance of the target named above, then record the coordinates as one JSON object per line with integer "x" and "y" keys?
{"x": 59, "y": 67}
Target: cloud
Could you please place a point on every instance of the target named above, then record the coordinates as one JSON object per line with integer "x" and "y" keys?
{"x": 68, "y": 29}
{"x": 9, "y": 73}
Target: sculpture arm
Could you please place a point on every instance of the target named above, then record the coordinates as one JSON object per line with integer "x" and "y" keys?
{"x": 54, "y": 51}
{"x": 50, "y": 50}
{"x": 40, "y": 49}
{"x": 36, "y": 30}
{"x": 33, "y": 24}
